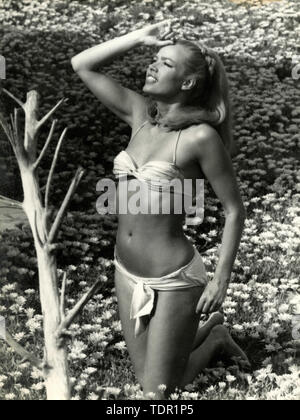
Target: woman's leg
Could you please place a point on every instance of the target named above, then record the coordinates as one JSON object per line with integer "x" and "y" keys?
{"x": 171, "y": 332}
{"x": 136, "y": 346}
{"x": 220, "y": 342}
{"x": 171, "y": 337}
{"x": 204, "y": 330}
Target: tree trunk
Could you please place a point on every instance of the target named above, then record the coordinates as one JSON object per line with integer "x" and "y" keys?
{"x": 56, "y": 322}
{"x": 55, "y": 362}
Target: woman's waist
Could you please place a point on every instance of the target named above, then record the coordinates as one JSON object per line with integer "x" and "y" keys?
{"x": 151, "y": 202}
{"x": 168, "y": 224}
{"x": 154, "y": 254}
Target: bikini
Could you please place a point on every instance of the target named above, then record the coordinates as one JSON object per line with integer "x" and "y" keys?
{"x": 152, "y": 172}
{"x": 193, "y": 274}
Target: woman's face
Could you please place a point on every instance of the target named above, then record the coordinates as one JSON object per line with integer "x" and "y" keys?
{"x": 165, "y": 75}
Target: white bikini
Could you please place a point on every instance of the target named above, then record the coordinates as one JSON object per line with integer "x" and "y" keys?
{"x": 190, "y": 275}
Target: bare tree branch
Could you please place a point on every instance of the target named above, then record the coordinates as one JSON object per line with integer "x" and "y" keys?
{"x": 38, "y": 161}
{"x": 15, "y": 130}
{"x": 7, "y": 131}
{"x": 16, "y": 124}
{"x": 53, "y": 167}
{"x": 22, "y": 352}
{"x": 47, "y": 116}
{"x": 62, "y": 296}
{"x": 63, "y": 208}
{"x": 14, "y": 98}
{"x": 77, "y": 308}
{"x": 13, "y": 203}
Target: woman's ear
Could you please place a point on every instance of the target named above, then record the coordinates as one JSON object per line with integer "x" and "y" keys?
{"x": 188, "y": 84}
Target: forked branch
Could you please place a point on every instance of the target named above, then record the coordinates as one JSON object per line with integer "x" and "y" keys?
{"x": 77, "y": 309}
{"x": 51, "y": 112}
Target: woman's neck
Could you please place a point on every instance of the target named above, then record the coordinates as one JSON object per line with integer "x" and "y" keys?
{"x": 164, "y": 108}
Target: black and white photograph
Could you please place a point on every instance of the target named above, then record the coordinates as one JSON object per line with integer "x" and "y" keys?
{"x": 149, "y": 202}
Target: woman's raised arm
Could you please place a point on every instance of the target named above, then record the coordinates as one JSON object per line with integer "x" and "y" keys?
{"x": 124, "y": 102}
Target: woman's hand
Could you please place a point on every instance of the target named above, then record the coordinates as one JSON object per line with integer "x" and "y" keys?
{"x": 213, "y": 296}
{"x": 158, "y": 35}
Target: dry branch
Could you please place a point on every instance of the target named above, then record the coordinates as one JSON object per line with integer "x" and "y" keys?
{"x": 16, "y": 125}
{"x": 14, "y": 98}
{"x": 77, "y": 308}
{"x": 7, "y": 131}
{"x": 51, "y": 112}
{"x": 42, "y": 154}
{"x": 22, "y": 352}
{"x": 53, "y": 167}
{"x": 62, "y": 210}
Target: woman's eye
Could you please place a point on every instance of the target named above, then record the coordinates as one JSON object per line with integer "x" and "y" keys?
{"x": 155, "y": 59}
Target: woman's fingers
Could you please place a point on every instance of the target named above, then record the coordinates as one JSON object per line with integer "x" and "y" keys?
{"x": 206, "y": 307}
{"x": 165, "y": 43}
{"x": 165, "y": 23}
{"x": 214, "y": 307}
{"x": 201, "y": 304}
{"x": 169, "y": 35}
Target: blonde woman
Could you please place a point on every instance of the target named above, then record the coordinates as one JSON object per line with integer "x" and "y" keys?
{"x": 181, "y": 131}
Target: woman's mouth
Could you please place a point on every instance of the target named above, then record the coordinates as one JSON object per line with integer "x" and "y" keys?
{"x": 151, "y": 79}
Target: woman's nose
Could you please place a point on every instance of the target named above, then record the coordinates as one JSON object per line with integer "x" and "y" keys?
{"x": 153, "y": 67}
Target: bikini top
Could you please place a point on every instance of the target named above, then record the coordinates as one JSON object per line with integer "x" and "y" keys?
{"x": 158, "y": 174}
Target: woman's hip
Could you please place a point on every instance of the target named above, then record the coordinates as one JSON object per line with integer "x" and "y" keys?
{"x": 154, "y": 257}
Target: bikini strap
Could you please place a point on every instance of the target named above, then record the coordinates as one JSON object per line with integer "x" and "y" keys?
{"x": 175, "y": 148}
{"x": 144, "y": 123}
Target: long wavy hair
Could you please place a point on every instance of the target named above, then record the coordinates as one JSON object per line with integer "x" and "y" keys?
{"x": 208, "y": 100}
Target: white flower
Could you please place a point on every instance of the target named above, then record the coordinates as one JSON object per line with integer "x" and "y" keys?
{"x": 120, "y": 346}
{"x": 151, "y": 395}
{"x": 29, "y": 292}
{"x": 113, "y": 391}
{"x": 230, "y": 378}
{"x": 90, "y": 370}
{"x": 25, "y": 392}
{"x": 9, "y": 397}
{"x": 93, "y": 397}
{"x": 283, "y": 308}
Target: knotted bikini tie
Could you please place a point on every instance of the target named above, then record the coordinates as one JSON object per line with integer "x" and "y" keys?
{"x": 192, "y": 274}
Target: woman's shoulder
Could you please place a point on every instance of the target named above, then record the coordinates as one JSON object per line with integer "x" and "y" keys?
{"x": 203, "y": 132}
{"x": 202, "y": 136}
{"x": 203, "y": 129}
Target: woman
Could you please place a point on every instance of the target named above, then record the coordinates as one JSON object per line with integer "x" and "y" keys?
{"x": 160, "y": 278}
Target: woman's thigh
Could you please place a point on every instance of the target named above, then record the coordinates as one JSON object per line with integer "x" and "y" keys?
{"x": 170, "y": 338}
{"x": 136, "y": 346}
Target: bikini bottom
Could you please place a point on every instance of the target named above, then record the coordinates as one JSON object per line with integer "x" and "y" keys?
{"x": 190, "y": 275}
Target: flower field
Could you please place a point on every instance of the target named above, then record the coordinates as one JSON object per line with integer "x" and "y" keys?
{"x": 258, "y": 44}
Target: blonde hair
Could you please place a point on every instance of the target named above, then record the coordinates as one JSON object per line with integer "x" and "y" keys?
{"x": 208, "y": 100}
